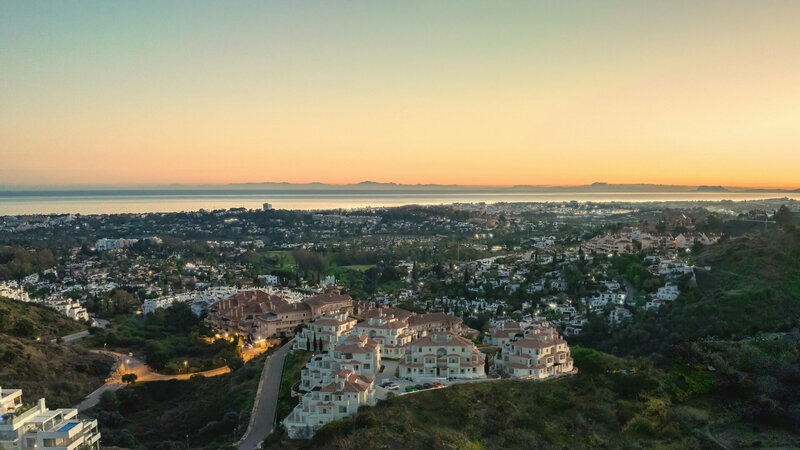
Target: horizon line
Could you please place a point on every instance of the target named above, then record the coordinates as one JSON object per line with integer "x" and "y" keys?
{"x": 377, "y": 183}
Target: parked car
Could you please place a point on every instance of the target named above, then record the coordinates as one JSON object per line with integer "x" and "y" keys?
{"x": 393, "y": 386}
{"x": 427, "y": 386}
{"x": 436, "y": 384}
{"x": 410, "y": 389}
{"x": 418, "y": 387}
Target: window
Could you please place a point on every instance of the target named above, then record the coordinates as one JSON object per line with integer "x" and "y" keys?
{"x": 343, "y": 409}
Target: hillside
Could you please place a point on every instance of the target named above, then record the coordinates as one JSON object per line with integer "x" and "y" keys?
{"x": 753, "y": 285}
{"x": 63, "y": 373}
{"x": 161, "y": 414}
{"x": 30, "y": 320}
{"x": 612, "y": 403}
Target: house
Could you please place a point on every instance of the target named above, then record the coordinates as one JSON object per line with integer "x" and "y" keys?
{"x": 669, "y": 292}
{"x": 618, "y": 314}
{"x": 38, "y": 427}
{"x": 687, "y": 240}
{"x": 442, "y": 355}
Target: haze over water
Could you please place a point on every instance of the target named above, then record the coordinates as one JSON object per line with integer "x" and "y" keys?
{"x": 115, "y": 203}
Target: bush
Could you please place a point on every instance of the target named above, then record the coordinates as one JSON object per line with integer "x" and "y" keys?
{"x": 109, "y": 401}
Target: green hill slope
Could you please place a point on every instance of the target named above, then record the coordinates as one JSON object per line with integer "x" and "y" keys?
{"x": 753, "y": 285}
{"x": 63, "y": 373}
{"x": 612, "y": 403}
{"x": 29, "y": 320}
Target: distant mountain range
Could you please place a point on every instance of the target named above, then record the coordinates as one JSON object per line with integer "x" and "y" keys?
{"x": 375, "y": 186}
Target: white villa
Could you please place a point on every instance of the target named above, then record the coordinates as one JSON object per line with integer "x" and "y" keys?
{"x": 442, "y": 356}
{"x": 36, "y": 426}
{"x": 669, "y": 292}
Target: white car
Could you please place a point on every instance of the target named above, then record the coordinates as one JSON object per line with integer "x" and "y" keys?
{"x": 393, "y": 387}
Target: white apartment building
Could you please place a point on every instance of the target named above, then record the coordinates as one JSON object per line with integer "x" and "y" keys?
{"x": 439, "y": 356}
{"x": 356, "y": 353}
{"x": 269, "y": 280}
{"x": 540, "y": 354}
{"x": 392, "y": 334}
{"x": 338, "y": 398}
{"x": 323, "y": 333}
{"x": 12, "y": 290}
{"x": 36, "y": 426}
{"x": 70, "y": 308}
{"x": 114, "y": 244}
{"x": 503, "y": 333}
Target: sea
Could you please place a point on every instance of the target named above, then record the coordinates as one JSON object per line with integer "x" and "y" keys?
{"x": 145, "y": 201}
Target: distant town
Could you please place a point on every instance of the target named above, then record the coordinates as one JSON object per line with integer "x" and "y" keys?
{"x": 344, "y": 308}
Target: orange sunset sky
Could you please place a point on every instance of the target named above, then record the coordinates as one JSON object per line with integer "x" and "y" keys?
{"x": 477, "y": 93}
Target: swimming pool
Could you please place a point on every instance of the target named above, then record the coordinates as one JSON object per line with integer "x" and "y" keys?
{"x": 68, "y": 426}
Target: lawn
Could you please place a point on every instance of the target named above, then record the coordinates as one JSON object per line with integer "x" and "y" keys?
{"x": 359, "y": 267}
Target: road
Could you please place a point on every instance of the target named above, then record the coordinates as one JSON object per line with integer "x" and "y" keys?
{"x": 73, "y": 337}
{"x": 262, "y": 419}
{"x": 128, "y": 364}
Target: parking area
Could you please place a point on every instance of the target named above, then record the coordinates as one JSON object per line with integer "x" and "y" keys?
{"x": 387, "y": 377}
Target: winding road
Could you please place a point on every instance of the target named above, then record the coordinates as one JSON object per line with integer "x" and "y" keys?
{"x": 262, "y": 419}
{"x": 128, "y": 364}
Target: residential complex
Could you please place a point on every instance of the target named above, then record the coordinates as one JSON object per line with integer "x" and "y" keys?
{"x": 260, "y": 315}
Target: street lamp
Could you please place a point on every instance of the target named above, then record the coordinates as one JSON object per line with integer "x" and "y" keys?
{"x": 186, "y": 366}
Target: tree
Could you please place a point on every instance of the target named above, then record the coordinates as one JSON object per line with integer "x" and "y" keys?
{"x": 24, "y": 328}
{"x": 109, "y": 401}
{"x": 783, "y": 216}
{"x": 129, "y": 378}
{"x": 236, "y": 363}
{"x": 123, "y": 302}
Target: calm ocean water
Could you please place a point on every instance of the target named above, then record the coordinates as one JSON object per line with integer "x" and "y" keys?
{"x": 108, "y": 202}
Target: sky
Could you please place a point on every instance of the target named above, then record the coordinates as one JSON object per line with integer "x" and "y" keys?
{"x": 446, "y": 92}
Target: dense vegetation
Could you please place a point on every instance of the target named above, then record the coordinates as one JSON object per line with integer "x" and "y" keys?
{"x": 166, "y": 338}
{"x": 213, "y": 412}
{"x": 753, "y": 285}
{"x": 16, "y": 261}
{"x": 63, "y": 373}
{"x": 613, "y": 402}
